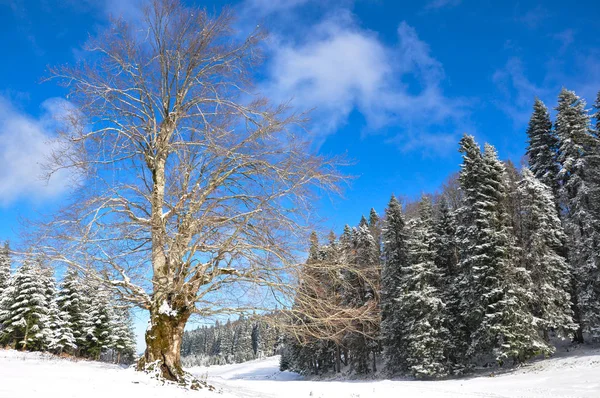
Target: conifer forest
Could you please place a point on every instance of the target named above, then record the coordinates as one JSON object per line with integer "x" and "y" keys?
{"x": 490, "y": 271}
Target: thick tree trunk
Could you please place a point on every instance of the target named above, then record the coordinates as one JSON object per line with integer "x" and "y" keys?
{"x": 163, "y": 342}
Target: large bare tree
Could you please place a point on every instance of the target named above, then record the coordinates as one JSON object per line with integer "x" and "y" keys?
{"x": 193, "y": 190}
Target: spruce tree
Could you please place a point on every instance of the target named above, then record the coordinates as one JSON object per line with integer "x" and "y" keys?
{"x": 24, "y": 311}
{"x": 123, "y": 336}
{"x": 71, "y": 302}
{"x": 542, "y": 146}
{"x": 544, "y": 248}
{"x": 579, "y": 178}
{"x": 98, "y": 321}
{"x": 445, "y": 246}
{"x": 394, "y": 262}
{"x": 421, "y": 310}
{"x": 507, "y": 326}
{"x": 468, "y": 309}
{"x": 494, "y": 305}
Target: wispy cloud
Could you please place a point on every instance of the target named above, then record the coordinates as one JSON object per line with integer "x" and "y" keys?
{"x": 338, "y": 67}
{"x": 25, "y": 147}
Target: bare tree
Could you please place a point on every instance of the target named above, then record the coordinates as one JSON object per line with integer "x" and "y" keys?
{"x": 194, "y": 191}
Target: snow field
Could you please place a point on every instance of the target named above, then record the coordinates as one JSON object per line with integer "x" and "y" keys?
{"x": 28, "y": 375}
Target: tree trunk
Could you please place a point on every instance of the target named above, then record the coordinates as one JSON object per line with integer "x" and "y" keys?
{"x": 163, "y": 343}
{"x": 338, "y": 359}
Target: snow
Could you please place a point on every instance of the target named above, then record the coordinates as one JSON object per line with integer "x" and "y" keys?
{"x": 567, "y": 376}
{"x": 166, "y": 309}
{"x": 28, "y": 375}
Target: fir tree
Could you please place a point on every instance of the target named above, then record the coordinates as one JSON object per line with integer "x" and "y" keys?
{"x": 24, "y": 311}
{"x": 446, "y": 260}
{"x": 494, "y": 303}
{"x": 71, "y": 303}
{"x": 467, "y": 311}
{"x": 421, "y": 313}
{"x": 579, "y": 178}
{"x": 122, "y": 337}
{"x": 544, "y": 248}
{"x": 97, "y": 322}
{"x": 506, "y": 325}
{"x": 542, "y": 146}
{"x": 394, "y": 262}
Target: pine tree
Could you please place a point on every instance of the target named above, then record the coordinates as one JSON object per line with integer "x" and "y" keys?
{"x": 70, "y": 301}
{"x": 123, "y": 337}
{"x": 394, "y": 262}
{"x": 494, "y": 306}
{"x": 4, "y": 266}
{"x": 421, "y": 310}
{"x": 542, "y": 148}
{"x": 97, "y": 321}
{"x": 544, "y": 248}
{"x": 579, "y": 178}
{"x": 446, "y": 260}
{"x": 24, "y": 311}
{"x": 468, "y": 311}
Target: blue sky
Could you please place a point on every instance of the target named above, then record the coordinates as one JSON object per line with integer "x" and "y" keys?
{"x": 393, "y": 84}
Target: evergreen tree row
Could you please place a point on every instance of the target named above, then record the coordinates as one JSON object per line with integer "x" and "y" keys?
{"x": 79, "y": 317}
{"x": 232, "y": 342}
{"x": 487, "y": 273}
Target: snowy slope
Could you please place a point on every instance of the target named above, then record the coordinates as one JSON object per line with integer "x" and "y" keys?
{"x": 567, "y": 376}
{"x": 27, "y": 375}
{"x": 33, "y": 375}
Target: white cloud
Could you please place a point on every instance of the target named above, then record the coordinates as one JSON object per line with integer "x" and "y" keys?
{"x": 338, "y": 68}
{"x": 25, "y": 147}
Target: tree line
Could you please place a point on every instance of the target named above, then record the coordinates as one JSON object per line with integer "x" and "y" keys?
{"x": 79, "y": 317}
{"x": 487, "y": 273}
{"x": 244, "y": 339}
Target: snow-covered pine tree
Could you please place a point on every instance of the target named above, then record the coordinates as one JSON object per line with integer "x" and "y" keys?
{"x": 59, "y": 335}
{"x": 123, "y": 336}
{"x": 467, "y": 315}
{"x": 579, "y": 177}
{"x": 98, "y": 320}
{"x": 4, "y": 266}
{"x": 71, "y": 301}
{"x": 24, "y": 312}
{"x": 542, "y": 146}
{"x": 421, "y": 312}
{"x": 543, "y": 249}
{"x": 505, "y": 328}
{"x": 394, "y": 262}
{"x": 446, "y": 260}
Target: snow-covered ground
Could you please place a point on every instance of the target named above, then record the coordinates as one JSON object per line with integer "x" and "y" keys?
{"x": 26, "y": 375}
